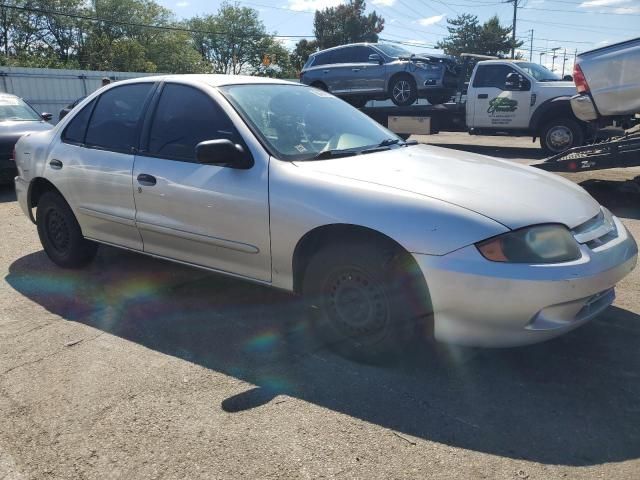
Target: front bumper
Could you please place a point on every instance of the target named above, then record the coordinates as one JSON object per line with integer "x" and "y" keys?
{"x": 583, "y": 107}
{"x": 477, "y": 302}
{"x": 22, "y": 193}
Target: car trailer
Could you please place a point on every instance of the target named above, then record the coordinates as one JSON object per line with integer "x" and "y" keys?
{"x": 619, "y": 152}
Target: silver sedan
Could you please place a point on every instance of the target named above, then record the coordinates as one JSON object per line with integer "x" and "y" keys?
{"x": 288, "y": 186}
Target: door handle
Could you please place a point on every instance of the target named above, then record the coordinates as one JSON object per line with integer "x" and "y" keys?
{"x": 483, "y": 95}
{"x": 355, "y": 69}
{"x": 55, "y": 163}
{"x": 146, "y": 180}
{"x": 325, "y": 71}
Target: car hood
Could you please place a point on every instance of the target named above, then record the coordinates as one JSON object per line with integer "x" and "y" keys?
{"x": 511, "y": 194}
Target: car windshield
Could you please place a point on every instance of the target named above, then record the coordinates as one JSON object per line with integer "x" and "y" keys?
{"x": 539, "y": 72}
{"x": 393, "y": 51}
{"x": 13, "y": 108}
{"x": 303, "y": 123}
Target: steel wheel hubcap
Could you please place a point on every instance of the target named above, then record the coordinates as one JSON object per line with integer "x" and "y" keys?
{"x": 57, "y": 231}
{"x": 560, "y": 137}
{"x": 402, "y": 91}
{"x": 356, "y": 304}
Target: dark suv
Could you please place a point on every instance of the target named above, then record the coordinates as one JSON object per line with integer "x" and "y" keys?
{"x": 373, "y": 71}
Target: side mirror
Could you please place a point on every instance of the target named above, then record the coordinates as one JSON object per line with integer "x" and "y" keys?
{"x": 567, "y": 78}
{"x": 375, "y": 58}
{"x": 224, "y": 153}
{"x": 46, "y": 116}
{"x": 513, "y": 82}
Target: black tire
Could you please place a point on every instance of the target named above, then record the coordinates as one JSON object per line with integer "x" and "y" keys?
{"x": 60, "y": 233}
{"x": 561, "y": 134}
{"x": 403, "y": 90}
{"x": 438, "y": 98}
{"x": 358, "y": 102}
{"x": 320, "y": 86}
{"x": 365, "y": 300}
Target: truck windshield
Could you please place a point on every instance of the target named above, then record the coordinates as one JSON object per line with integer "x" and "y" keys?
{"x": 539, "y": 72}
{"x": 304, "y": 123}
{"x": 14, "y": 109}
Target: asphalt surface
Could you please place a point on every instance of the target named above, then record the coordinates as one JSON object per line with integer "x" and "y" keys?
{"x": 137, "y": 368}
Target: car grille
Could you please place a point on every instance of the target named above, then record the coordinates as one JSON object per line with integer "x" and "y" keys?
{"x": 597, "y": 231}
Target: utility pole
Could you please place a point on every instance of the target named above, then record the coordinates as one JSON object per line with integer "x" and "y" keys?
{"x": 531, "y": 46}
{"x": 513, "y": 28}
{"x": 553, "y": 58}
{"x": 564, "y": 60}
{"x": 541, "y": 54}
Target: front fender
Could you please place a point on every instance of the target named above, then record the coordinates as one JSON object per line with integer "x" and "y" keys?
{"x": 302, "y": 200}
{"x": 557, "y": 106}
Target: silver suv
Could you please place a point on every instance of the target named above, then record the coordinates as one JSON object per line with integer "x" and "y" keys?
{"x": 373, "y": 71}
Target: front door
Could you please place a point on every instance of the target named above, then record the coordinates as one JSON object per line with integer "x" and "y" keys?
{"x": 367, "y": 76}
{"x": 205, "y": 215}
{"x": 495, "y": 107}
{"x": 94, "y": 162}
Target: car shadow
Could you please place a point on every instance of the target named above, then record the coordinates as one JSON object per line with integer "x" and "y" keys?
{"x": 571, "y": 401}
{"x": 7, "y": 193}
{"x": 622, "y": 197}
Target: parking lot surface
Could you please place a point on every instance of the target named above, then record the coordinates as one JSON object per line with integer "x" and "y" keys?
{"x": 138, "y": 368}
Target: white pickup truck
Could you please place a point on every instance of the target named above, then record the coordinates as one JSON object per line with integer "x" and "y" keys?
{"x": 608, "y": 82}
{"x": 504, "y": 97}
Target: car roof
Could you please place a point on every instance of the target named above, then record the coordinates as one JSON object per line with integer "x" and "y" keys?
{"x": 213, "y": 80}
{"x": 503, "y": 60}
{"x": 360, "y": 44}
{"x": 7, "y": 95}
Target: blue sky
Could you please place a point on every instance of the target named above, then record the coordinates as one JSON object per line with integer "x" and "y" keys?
{"x": 570, "y": 24}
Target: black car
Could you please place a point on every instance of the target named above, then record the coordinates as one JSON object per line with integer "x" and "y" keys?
{"x": 68, "y": 108}
{"x": 17, "y": 117}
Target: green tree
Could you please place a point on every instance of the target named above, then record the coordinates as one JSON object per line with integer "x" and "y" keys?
{"x": 301, "y": 53}
{"x": 466, "y": 35}
{"x": 346, "y": 23}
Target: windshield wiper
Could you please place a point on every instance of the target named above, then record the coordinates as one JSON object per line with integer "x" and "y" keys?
{"x": 334, "y": 154}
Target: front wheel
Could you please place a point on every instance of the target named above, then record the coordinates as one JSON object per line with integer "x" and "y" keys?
{"x": 363, "y": 301}
{"x": 403, "y": 90}
{"x": 60, "y": 233}
{"x": 561, "y": 134}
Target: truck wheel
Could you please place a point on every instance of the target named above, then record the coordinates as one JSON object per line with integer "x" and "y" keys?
{"x": 363, "y": 305}
{"x": 403, "y": 90}
{"x": 561, "y": 134}
{"x": 437, "y": 98}
{"x": 60, "y": 233}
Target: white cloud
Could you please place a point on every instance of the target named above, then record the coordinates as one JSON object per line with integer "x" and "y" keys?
{"x": 626, "y": 10}
{"x": 602, "y": 3}
{"x": 431, "y": 20}
{"x": 384, "y": 3}
{"x": 182, "y": 4}
{"x": 312, "y": 5}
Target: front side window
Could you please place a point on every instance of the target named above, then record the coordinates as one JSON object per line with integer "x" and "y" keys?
{"x": 114, "y": 123}
{"x": 361, "y": 54}
{"x": 77, "y": 127}
{"x": 15, "y": 109}
{"x": 492, "y": 76}
{"x": 298, "y": 122}
{"x": 393, "y": 51}
{"x": 184, "y": 117}
{"x": 540, "y": 73}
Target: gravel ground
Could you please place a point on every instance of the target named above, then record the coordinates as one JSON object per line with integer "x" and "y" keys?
{"x": 137, "y": 368}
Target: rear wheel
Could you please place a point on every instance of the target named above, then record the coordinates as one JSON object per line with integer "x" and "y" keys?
{"x": 363, "y": 302}
{"x": 320, "y": 86}
{"x": 403, "y": 90}
{"x": 437, "y": 98}
{"x": 358, "y": 102}
{"x": 561, "y": 134}
{"x": 60, "y": 233}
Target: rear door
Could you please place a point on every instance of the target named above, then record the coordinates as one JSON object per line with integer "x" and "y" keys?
{"x": 205, "y": 215}
{"x": 93, "y": 163}
{"x": 494, "y": 106}
{"x": 336, "y": 72}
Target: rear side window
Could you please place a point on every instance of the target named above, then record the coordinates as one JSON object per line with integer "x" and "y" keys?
{"x": 74, "y": 132}
{"x": 184, "y": 117}
{"x": 342, "y": 55}
{"x": 114, "y": 123}
{"x": 323, "y": 58}
{"x": 492, "y": 76}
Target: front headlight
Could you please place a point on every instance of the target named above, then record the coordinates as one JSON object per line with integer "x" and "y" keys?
{"x": 537, "y": 244}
